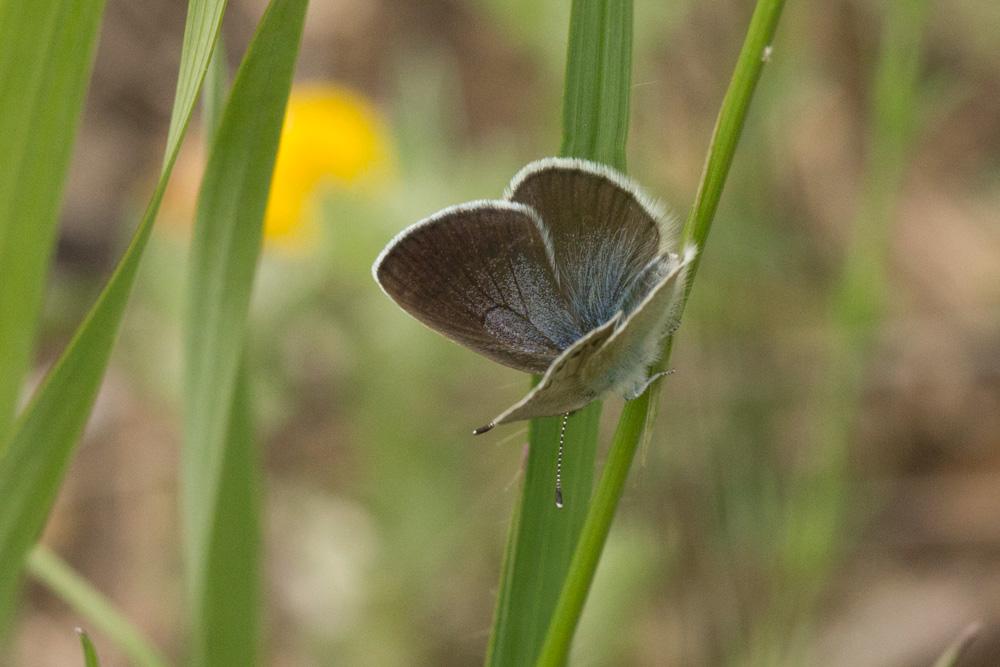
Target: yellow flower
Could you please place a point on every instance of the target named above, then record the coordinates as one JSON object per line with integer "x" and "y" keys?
{"x": 331, "y": 137}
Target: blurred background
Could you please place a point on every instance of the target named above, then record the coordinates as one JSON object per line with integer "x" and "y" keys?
{"x": 784, "y": 511}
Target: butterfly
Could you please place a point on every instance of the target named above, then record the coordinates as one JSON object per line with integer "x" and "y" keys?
{"x": 575, "y": 274}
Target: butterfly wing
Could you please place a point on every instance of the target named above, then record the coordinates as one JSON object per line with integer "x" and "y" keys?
{"x": 602, "y": 230}
{"x": 622, "y": 362}
{"x": 563, "y": 388}
{"x": 480, "y": 274}
{"x": 615, "y": 355}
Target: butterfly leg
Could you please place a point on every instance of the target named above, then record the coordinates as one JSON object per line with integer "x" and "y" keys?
{"x": 652, "y": 378}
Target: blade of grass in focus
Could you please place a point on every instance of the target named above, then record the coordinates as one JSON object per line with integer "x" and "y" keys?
{"x": 43, "y": 437}
{"x": 542, "y": 538}
{"x": 99, "y": 612}
{"x": 598, "y": 82}
{"x": 220, "y": 485}
{"x": 89, "y": 652}
{"x": 46, "y": 53}
{"x": 635, "y": 416}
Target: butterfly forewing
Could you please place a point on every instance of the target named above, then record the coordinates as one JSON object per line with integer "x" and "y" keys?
{"x": 602, "y": 231}
{"x": 480, "y": 274}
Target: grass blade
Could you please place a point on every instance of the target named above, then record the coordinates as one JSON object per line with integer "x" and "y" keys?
{"x": 598, "y": 82}
{"x": 542, "y": 537}
{"x": 46, "y": 53}
{"x": 954, "y": 653}
{"x": 636, "y": 414}
{"x": 215, "y": 90}
{"x": 99, "y": 612}
{"x": 44, "y": 435}
{"x": 229, "y": 606}
{"x": 90, "y": 658}
{"x": 219, "y": 475}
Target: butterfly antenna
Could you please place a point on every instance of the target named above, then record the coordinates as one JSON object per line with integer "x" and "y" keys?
{"x": 559, "y": 459}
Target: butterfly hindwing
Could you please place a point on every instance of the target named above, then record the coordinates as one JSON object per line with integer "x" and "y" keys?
{"x": 480, "y": 274}
{"x": 613, "y": 356}
{"x": 622, "y": 362}
{"x": 562, "y": 388}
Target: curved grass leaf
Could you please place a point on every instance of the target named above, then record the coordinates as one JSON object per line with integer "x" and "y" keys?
{"x": 46, "y": 53}
{"x": 954, "y": 652}
{"x": 43, "y": 437}
{"x": 542, "y": 538}
{"x": 220, "y": 471}
{"x": 636, "y": 415}
{"x": 90, "y": 658}
{"x": 87, "y": 601}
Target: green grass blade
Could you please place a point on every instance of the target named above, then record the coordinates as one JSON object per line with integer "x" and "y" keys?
{"x": 46, "y": 53}
{"x": 501, "y": 607}
{"x": 219, "y": 485}
{"x": 215, "y": 90}
{"x": 201, "y": 30}
{"x": 99, "y": 612}
{"x": 90, "y": 658}
{"x": 234, "y": 560}
{"x": 598, "y": 81}
{"x": 44, "y": 435}
{"x": 954, "y": 653}
{"x": 229, "y": 607}
{"x": 542, "y": 538}
{"x": 753, "y": 56}
{"x": 636, "y": 414}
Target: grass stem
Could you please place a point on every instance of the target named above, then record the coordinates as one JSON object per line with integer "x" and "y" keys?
{"x": 543, "y": 537}
{"x": 635, "y": 417}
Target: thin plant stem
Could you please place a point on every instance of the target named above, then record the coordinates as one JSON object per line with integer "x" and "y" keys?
{"x": 961, "y": 644}
{"x": 93, "y": 606}
{"x": 90, "y": 658}
{"x": 635, "y": 417}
